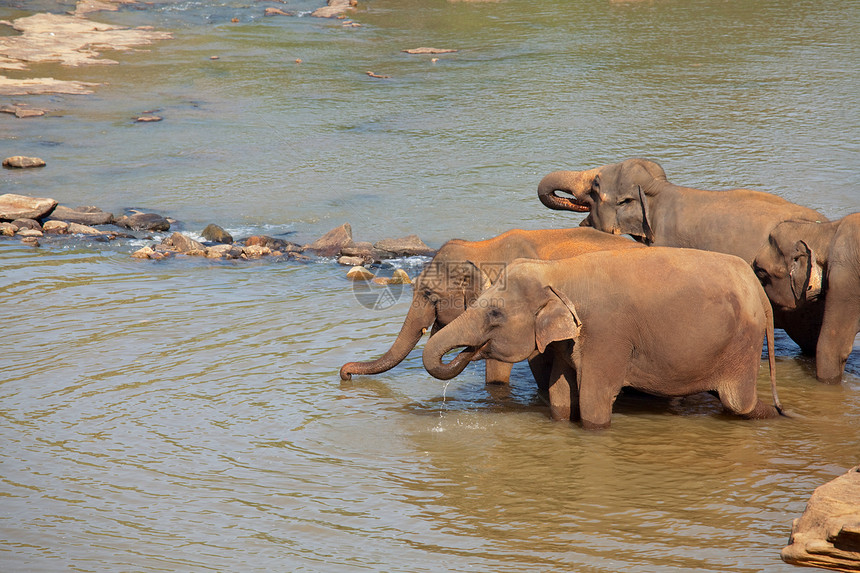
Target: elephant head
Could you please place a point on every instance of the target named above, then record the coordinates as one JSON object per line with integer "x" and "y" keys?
{"x": 440, "y": 294}
{"x": 615, "y": 195}
{"x": 791, "y": 265}
{"x": 507, "y": 323}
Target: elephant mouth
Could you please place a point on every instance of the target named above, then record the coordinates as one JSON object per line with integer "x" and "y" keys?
{"x": 553, "y": 200}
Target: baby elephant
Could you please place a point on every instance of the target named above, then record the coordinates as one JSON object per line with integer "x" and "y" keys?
{"x": 666, "y": 321}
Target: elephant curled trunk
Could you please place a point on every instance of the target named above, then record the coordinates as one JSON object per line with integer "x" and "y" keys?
{"x": 446, "y": 340}
{"x": 421, "y": 314}
{"x": 576, "y": 183}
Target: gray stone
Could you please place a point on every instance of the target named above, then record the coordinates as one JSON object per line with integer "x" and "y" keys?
{"x": 22, "y": 207}
{"x": 22, "y": 224}
{"x": 144, "y": 222}
{"x": 83, "y": 215}
{"x": 216, "y": 234}
{"x": 333, "y": 242}
{"x": 827, "y": 535}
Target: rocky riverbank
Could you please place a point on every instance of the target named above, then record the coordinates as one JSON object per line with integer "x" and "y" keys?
{"x": 38, "y": 220}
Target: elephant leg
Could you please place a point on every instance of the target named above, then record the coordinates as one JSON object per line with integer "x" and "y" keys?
{"x": 802, "y": 325}
{"x": 840, "y": 326}
{"x": 541, "y": 367}
{"x": 599, "y": 382}
{"x": 497, "y": 372}
{"x": 563, "y": 395}
{"x": 739, "y": 396}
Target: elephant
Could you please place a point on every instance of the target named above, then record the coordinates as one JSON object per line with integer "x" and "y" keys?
{"x": 634, "y": 197}
{"x": 667, "y": 322}
{"x": 461, "y": 270}
{"x": 812, "y": 270}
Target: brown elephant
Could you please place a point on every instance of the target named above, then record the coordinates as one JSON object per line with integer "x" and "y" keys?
{"x": 669, "y": 322}
{"x": 635, "y": 198}
{"x": 458, "y": 274}
{"x": 812, "y": 270}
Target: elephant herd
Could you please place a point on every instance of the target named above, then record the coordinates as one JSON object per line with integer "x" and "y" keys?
{"x": 681, "y": 309}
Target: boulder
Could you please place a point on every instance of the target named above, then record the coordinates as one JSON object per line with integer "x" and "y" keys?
{"x": 351, "y": 261}
{"x": 404, "y": 247}
{"x": 827, "y": 535}
{"x": 82, "y": 215}
{"x": 366, "y": 252}
{"x": 29, "y": 233}
{"x": 149, "y": 253}
{"x": 8, "y": 229}
{"x": 144, "y": 222}
{"x": 22, "y": 207}
{"x": 255, "y": 251}
{"x": 358, "y": 273}
{"x": 31, "y": 241}
{"x": 223, "y": 252}
{"x": 273, "y": 244}
{"x": 78, "y": 229}
{"x": 55, "y": 227}
{"x": 22, "y": 224}
{"x": 331, "y": 244}
{"x": 21, "y": 162}
{"x": 216, "y": 234}
{"x": 182, "y": 244}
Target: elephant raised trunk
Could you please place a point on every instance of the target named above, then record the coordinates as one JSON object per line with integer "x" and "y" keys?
{"x": 576, "y": 183}
{"x": 449, "y": 338}
{"x": 421, "y": 314}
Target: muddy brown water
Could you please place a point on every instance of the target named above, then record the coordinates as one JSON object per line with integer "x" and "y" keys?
{"x": 187, "y": 415}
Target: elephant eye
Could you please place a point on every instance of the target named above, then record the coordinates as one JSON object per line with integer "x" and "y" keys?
{"x": 625, "y": 201}
{"x": 761, "y": 273}
{"x": 495, "y": 316}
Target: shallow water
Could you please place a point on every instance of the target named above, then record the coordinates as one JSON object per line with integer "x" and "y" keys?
{"x": 188, "y": 414}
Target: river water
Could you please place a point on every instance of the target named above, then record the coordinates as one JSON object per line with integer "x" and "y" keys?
{"x": 187, "y": 415}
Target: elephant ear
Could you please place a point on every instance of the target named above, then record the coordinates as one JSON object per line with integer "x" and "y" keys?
{"x": 556, "y": 320}
{"x": 646, "y": 226}
{"x": 805, "y": 273}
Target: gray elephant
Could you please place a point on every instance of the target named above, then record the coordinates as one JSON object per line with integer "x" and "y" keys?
{"x": 635, "y": 198}
{"x": 811, "y": 274}
{"x": 669, "y": 322}
{"x": 458, "y": 274}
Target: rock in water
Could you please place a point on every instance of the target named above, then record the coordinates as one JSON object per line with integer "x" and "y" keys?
{"x": 332, "y": 242}
{"x": 828, "y": 533}
{"x": 144, "y": 222}
{"x": 22, "y": 162}
{"x": 82, "y": 215}
{"x": 216, "y": 234}
{"x": 22, "y": 207}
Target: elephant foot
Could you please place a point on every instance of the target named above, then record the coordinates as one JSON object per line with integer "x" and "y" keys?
{"x": 762, "y": 411}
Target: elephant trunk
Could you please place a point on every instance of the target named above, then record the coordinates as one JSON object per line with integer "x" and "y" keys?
{"x": 576, "y": 183}
{"x": 452, "y": 336}
{"x": 421, "y": 314}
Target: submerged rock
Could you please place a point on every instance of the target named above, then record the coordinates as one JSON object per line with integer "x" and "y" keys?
{"x": 334, "y": 8}
{"x": 273, "y": 244}
{"x": 22, "y": 207}
{"x": 827, "y": 535}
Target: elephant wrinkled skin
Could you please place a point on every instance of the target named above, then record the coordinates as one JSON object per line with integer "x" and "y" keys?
{"x": 669, "y": 322}
{"x": 458, "y": 274}
{"x": 811, "y": 273}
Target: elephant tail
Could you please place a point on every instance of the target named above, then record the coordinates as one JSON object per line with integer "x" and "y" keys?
{"x": 771, "y": 359}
